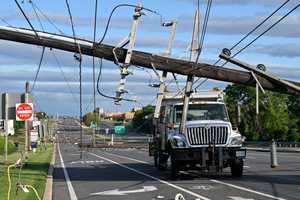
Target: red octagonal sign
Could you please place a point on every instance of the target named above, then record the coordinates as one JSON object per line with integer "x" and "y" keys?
{"x": 24, "y": 111}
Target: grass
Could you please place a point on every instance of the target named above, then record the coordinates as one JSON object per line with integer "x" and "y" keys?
{"x": 34, "y": 173}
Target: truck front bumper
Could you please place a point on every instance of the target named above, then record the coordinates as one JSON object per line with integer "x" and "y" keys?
{"x": 201, "y": 154}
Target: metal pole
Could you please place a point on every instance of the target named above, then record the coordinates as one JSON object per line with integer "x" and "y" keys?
{"x": 164, "y": 74}
{"x": 257, "y": 99}
{"x": 239, "y": 113}
{"x": 6, "y": 127}
{"x": 124, "y": 69}
{"x": 274, "y": 161}
{"x": 190, "y": 78}
{"x": 26, "y": 122}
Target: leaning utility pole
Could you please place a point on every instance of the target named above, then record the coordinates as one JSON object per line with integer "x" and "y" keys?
{"x": 146, "y": 60}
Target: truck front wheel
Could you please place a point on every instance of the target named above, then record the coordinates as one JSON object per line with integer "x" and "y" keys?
{"x": 160, "y": 160}
{"x": 174, "y": 166}
{"x": 237, "y": 167}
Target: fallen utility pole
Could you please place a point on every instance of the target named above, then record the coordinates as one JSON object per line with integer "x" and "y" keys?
{"x": 143, "y": 59}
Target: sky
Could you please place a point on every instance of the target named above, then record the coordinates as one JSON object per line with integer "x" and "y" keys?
{"x": 57, "y": 86}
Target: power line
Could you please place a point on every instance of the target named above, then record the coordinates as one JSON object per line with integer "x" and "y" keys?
{"x": 267, "y": 30}
{"x": 5, "y": 21}
{"x": 38, "y": 69}
{"x": 80, "y": 74}
{"x": 37, "y": 16}
{"x": 94, "y": 39}
{"x": 47, "y": 18}
{"x": 64, "y": 76}
{"x": 255, "y": 28}
{"x": 98, "y": 84}
{"x": 251, "y": 31}
{"x": 27, "y": 19}
{"x": 119, "y": 6}
{"x": 203, "y": 32}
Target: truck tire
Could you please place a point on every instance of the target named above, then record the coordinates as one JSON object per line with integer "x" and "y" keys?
{"x": 155, "y": 158}
{"x": 160, "y": 161}
{"x": 174, "y": 166}
{"x": 237, "y": 167}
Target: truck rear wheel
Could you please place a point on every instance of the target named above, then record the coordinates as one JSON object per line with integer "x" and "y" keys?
{"x": 237, "y": 167}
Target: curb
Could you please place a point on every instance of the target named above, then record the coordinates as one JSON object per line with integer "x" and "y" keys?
{"x": 49, "y": 179}
{"x": 278, "y": 150}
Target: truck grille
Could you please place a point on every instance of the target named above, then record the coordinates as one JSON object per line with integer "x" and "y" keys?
{"x": 207, "y": 135}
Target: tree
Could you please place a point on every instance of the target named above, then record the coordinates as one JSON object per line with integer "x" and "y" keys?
{"x": 142, "y": 120}
{"x": 89, "y": 117}
{"x": 276, "y": 119}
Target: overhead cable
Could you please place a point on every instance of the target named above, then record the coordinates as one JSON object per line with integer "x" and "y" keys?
{"x": 38, "y": 69}
{"x": 27, "y": 19}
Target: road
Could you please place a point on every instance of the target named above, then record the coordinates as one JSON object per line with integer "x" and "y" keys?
{"x": 130, "y": 174}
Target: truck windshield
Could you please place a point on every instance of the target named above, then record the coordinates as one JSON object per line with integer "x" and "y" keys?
{"x": 202, "y": 112}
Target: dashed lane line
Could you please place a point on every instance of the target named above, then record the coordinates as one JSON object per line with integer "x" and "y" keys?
{"x": 152, "y": 177}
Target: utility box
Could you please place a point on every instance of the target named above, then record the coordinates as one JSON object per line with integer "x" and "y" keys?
{"x": 9, "y": 127}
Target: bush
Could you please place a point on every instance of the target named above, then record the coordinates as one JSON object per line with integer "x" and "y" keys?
{"x": 10, "y": 147}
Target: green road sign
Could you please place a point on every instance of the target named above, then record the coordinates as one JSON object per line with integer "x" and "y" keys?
{"x": 119, "y": 130}
{"x": 93, "y": 125}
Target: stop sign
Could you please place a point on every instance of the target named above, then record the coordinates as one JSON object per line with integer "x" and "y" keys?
{"x": 24, "y": 111}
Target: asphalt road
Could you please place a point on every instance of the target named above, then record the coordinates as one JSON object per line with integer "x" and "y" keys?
{"x": 130, "y": 174}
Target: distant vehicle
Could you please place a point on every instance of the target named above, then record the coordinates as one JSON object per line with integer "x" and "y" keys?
{"x": 209, "y": 143}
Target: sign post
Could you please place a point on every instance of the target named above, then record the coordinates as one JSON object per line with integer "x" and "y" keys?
{"x": 24, "y": 112}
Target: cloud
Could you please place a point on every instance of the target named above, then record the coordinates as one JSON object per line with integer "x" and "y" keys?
{"x": 278, "y": 50}
{"x": 237, "y": 2}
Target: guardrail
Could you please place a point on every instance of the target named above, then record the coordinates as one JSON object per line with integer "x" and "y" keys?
{"x": 268, "y": 143}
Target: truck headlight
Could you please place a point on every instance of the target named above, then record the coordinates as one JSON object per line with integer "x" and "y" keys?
{"x": 179, "y": 141}
{"x": 237, "y": 140}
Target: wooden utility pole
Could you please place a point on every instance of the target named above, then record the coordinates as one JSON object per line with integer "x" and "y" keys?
{"x": 144, "y": 59}
{"x": 26, "y": 121}
{"x": 6, "y": 126}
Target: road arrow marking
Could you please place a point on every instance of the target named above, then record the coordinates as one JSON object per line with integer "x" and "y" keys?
{"x": 238, "y": 198}
{"x": 126, "y": 192}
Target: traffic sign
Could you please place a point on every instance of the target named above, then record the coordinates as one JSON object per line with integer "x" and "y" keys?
{"x": 24, "y": 111}
{"x": 119, "y": 130}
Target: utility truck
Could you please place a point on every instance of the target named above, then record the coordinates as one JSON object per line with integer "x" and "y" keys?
{"x": 207, "y": 142}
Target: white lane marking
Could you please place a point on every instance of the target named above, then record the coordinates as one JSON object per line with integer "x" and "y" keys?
{"x": 251, "y": 157}
{"x": 126, "y": 192}
{"x": 220, "y": 182}
{"x": 238, "y": 198}
{"x": 72, "y": 193}
{"x": 246, "y": 166}
{"x": 201, "y": 187}
{"x": 247, "y": 190}
{"x": 86, "y": 161}
{"x": 132, "y": 159}
{"x": 152, "y": 177}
